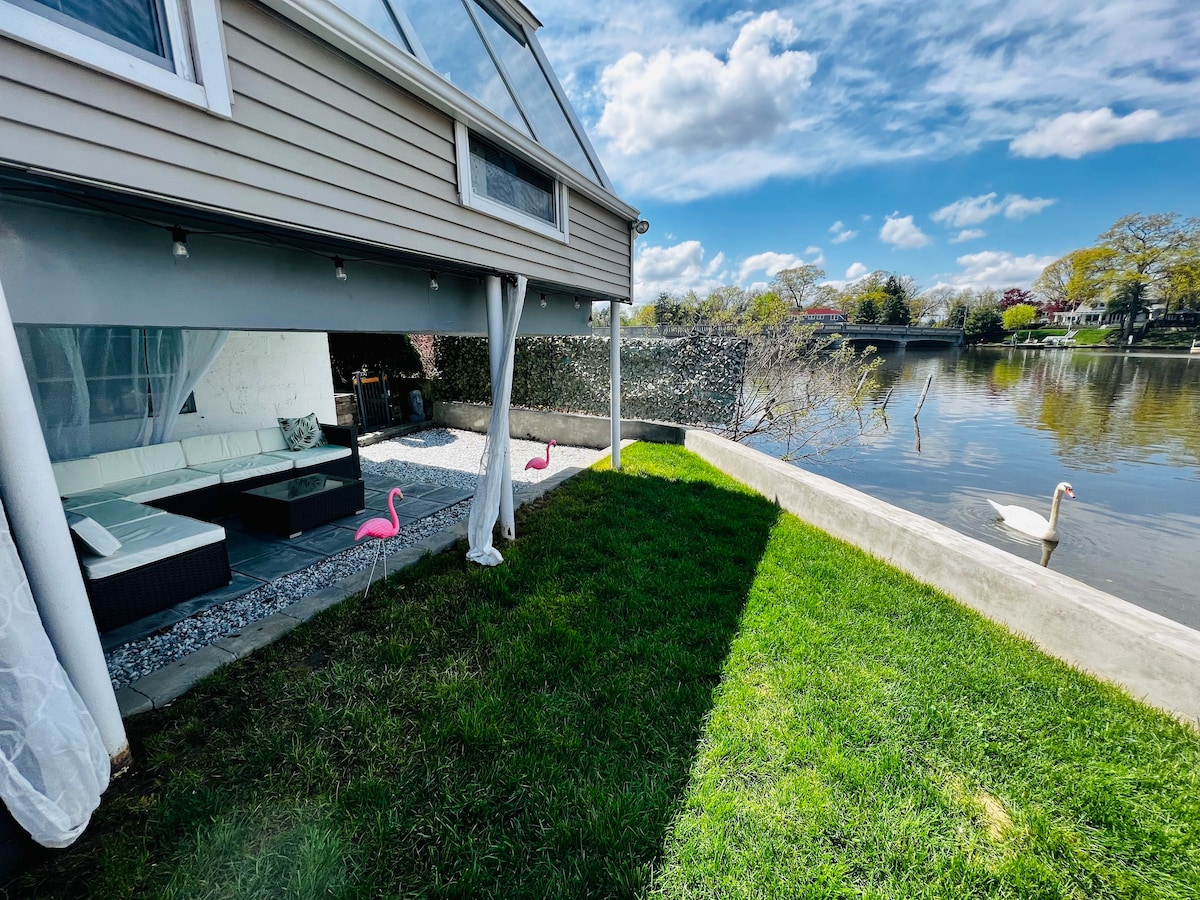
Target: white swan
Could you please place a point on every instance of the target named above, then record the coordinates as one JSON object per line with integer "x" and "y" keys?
{"x": 1028, "y": 522}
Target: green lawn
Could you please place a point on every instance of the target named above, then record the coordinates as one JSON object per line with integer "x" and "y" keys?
{"x": 669, "y": 689}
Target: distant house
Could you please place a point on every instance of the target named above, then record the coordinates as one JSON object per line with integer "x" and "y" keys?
{"x": 823, "y": 314}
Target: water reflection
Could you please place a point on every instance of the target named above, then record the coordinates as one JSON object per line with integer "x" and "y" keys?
{"x": 1123, "y": 428}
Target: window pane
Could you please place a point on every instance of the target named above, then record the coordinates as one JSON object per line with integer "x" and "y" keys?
{"x": 457, "y": 53}
{"x": 550, "y": 123}
{"x": 375, "y": 14}
{"x": 501, "y": 177}
{"x": 139, "y": 22}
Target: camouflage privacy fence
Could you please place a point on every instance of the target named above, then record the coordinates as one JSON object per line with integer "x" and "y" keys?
{"x": 692, "y": 380}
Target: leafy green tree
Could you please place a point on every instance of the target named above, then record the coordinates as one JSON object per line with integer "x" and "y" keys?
{"x": 983, "y": 323}
{"x": 767, "y": 309}
{"x": 1180, "y": 288}
{"x": 1134, "y": 258}
{"x": 1020, "y": 316}
{"x": 797, "y": 285}
{"x": 894, "y": 308}
{"x": 867, "y": 310}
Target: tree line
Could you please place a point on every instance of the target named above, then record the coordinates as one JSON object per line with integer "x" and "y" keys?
{"x": 1140, "y": 260}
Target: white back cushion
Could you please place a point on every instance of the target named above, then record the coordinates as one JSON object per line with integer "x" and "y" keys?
{"x": 74, "y": 476}
{"x": 272, "y": 439}
{"x": 138, "y": 462}
{"x": 213, "y": 447}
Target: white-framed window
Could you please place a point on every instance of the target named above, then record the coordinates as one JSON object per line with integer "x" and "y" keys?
{"x": 173, "y": 47}
{"x": 496, "y": 182}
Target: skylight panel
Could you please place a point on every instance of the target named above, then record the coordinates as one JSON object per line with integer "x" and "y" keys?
{"x": 550, "y": 124}
{"x": 376, "y": 15}
{"x": 456, "y": 52}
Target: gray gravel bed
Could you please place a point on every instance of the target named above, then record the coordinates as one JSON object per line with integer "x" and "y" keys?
{"x": 438, "y": 455}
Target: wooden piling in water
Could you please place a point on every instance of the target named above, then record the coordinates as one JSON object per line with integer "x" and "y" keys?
{"x": 921, "y": 402}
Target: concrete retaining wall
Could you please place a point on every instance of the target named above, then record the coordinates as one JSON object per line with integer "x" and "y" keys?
{"x": 572, "y": 429}
{"x": 1152, "y": 657}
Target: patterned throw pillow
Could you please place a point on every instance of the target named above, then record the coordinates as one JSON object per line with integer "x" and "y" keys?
{"x": 303, "y": 433}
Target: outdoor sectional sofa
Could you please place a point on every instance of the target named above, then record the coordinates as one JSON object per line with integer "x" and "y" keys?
{"x": 154, "y": 501}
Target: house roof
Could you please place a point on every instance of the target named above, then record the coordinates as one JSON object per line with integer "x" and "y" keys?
{"x": 823, "y": 311}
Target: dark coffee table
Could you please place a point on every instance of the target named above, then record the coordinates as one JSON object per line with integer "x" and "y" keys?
{"x": 291, "y": 507}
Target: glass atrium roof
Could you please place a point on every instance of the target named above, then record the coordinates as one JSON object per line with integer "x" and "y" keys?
{"x": 484, "y": 53}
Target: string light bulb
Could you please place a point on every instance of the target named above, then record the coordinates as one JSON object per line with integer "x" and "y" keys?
{"x": 543, "y": 301}
{"x": 179, "y": 248}
{"x": 433, "y": 282}
{"x": 339, "y": 268}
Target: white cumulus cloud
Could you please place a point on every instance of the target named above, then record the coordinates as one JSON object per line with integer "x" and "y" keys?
{"x": 997, "y": 269}
{"x": 1077, "y": 134}
{"x": 841, "y": 233}
{"x": 676, "y": 270}
{"x": 684, "y": 98}
{"x": 770, "y": 263}
{"x": 968, "y": 234}
{"x": 974, "y": 210}
{"x": 900, "y": 231}
{"x": 857, "y": 270}
{"x": 1018, "y": 207}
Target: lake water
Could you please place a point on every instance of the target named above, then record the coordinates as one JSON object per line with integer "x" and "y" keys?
{"x": 1009, "y": 424}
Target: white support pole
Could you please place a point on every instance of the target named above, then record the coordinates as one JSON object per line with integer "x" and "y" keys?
{"x": 40, "y": 532}
{"x": 495, "y": 322}
{"x": 614, "y": 364}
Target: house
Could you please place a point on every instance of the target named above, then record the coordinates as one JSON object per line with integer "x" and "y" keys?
{"x": 822, "y": 314}
{"x": 267, "y": 170}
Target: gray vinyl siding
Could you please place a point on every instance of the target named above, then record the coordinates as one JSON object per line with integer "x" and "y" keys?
{"x": 316, "y": 141}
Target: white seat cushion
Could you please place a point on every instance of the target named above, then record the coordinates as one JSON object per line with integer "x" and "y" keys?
{"x": 138, "y": 462}
{"x": 117, "y": 512}
{"x": 313, "y": 456}
{"x": 209, "y": 448}
{"x": 244, "y": 467}
{"x": 150, "y": 539}
{"x": 164, "y": 484}
{"x": 272, "y": 439}
{"x": 89, "y": 498}
{"x": 75, "y": 476}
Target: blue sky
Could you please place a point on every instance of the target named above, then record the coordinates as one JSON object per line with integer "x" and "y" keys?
{"x": 964, "y": 143}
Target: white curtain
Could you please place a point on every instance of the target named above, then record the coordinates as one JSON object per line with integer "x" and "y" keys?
{"x": 180, "y": 365}
{"x": 53, "y": 765}
{"x": 485, "y": 506}
{"x": 99, "y": 389}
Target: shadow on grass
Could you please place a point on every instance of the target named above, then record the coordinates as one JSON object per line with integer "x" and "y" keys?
{"x": 526, "y": 730}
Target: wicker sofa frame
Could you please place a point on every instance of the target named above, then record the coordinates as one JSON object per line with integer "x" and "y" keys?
{"x": 127, "y": 596}
{"x": 131, "y": 595}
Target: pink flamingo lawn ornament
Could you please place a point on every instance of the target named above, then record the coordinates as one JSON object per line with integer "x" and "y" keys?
{"x": 537, "y": 462}
{"x": 381, "y": 529}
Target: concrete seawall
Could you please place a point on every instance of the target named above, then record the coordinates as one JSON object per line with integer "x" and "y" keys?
{"x": 1154, "y": 658}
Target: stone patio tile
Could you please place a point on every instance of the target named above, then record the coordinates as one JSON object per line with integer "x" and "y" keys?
{"x": 278, "y": 561}
{"x": 327, "y": 540}
{"x": 448, "y": 495}
{"x": 243, "y": 546}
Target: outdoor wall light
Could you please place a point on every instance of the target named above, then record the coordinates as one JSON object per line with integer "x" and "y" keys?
{"x": 641, "y": 226}
{"x": 577, "y": 303}
{"x": 433, "y": 285}
{"x": 339, "y": 268}
{"x": 543, "y": 301}
{"x": 179, "y": 248}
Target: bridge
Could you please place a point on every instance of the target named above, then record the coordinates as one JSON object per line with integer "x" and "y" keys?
{"x": 888, "y": 337}
{"x": 885, "y": 337}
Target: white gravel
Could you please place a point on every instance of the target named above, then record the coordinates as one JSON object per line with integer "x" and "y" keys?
{"x": 438, "y": 455}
